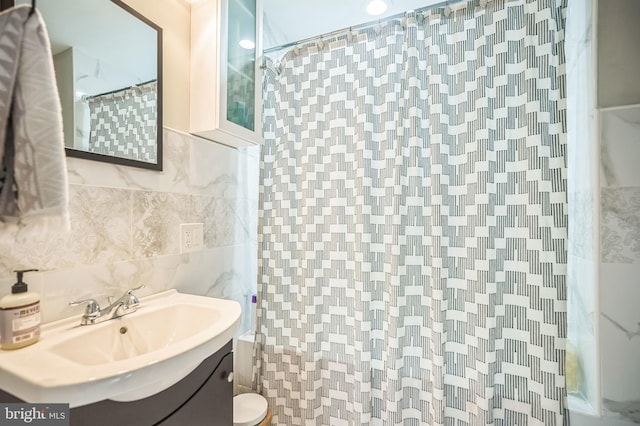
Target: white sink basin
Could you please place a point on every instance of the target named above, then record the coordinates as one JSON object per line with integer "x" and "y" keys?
{"x": 123, "y": 359}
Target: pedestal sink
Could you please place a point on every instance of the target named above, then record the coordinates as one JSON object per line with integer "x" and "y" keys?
{"x": 123, "y": 359}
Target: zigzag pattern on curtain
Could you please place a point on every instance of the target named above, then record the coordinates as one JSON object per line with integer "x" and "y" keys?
{"x": 413, "y": 223}
{"x": 123, "y": 123}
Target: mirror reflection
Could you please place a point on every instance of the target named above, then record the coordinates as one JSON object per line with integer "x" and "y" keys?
{"x": 106, "y": 62}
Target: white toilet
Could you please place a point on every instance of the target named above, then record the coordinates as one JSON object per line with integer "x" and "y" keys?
{"x": 250, "y": 409}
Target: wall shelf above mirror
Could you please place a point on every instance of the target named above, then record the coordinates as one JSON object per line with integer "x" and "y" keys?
{"x": 108, "y": 63}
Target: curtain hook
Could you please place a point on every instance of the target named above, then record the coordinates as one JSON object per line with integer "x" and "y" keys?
{"x": 378, "y": 27}
{"x": 447, "y": 9}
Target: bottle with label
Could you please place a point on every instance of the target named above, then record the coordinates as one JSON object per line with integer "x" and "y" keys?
{"x": 19, "y": 316}
{"x": 572, "y": 369}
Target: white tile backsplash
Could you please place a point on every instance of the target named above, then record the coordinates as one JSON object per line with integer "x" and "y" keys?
{"x": 125, "y": 229}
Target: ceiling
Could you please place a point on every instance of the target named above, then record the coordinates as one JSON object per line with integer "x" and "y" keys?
{"x": 287, "y": 21}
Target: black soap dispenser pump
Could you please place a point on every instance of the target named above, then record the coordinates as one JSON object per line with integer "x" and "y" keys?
{"x": 19, "y": 315}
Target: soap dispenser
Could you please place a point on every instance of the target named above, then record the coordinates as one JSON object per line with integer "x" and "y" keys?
{"x": 19, "y": 316}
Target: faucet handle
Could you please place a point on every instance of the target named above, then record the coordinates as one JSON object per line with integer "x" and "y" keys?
{"x": 132, "y": 300}
{"x": 130, "y": 291}
{"x": 92, "y": 306}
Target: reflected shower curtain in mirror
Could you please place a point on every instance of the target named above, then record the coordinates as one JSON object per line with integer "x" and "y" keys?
{"x": 123, "y": 123}
{"x": 413, "y": 222}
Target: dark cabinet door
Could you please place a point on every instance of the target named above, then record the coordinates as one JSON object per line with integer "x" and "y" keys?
{"x": 204, "y": 397}
{"x": 212, "y": 405}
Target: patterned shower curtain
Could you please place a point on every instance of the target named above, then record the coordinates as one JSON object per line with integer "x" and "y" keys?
{"x": 123, "y": 123}
{"x": 413, "y": 222}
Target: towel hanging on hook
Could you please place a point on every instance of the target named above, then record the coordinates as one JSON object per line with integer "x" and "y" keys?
{"x": 31, "y": 134}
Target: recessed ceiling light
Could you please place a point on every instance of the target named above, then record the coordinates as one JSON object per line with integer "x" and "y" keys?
{"x": 376, "y": 7}
{"x": 247, "y": 44}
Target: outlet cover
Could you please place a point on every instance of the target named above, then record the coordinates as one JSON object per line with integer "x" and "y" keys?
{"x": 191, "y": 237}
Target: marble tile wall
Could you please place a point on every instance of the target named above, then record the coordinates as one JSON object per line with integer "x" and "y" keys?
{"x": 611, "y": 207}
{"x": 620, "y": 259}
{"x": 604, "y": 196}
{"x": 125, "y": 230}
{"x": 619, "y": 269}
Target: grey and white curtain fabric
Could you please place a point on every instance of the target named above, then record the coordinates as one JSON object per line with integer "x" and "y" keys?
{"x": 123, "y": 123}
{"x": 413, "y": 223}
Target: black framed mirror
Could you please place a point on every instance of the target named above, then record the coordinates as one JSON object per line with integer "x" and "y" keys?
{"x": 108, "y": 62}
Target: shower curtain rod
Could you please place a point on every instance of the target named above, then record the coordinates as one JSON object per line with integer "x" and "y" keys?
{"x": 447, "y": 3}
{"x": 119, "y": 90}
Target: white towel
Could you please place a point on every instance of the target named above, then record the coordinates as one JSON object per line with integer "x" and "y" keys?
{"x": 33, "y": 171}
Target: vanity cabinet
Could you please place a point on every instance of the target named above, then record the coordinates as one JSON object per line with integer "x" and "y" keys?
{"x": 203, "y": 398}
{"x": 226, "y": 82}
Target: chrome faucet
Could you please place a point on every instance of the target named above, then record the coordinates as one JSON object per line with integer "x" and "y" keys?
{"x": 126, "y": 304}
